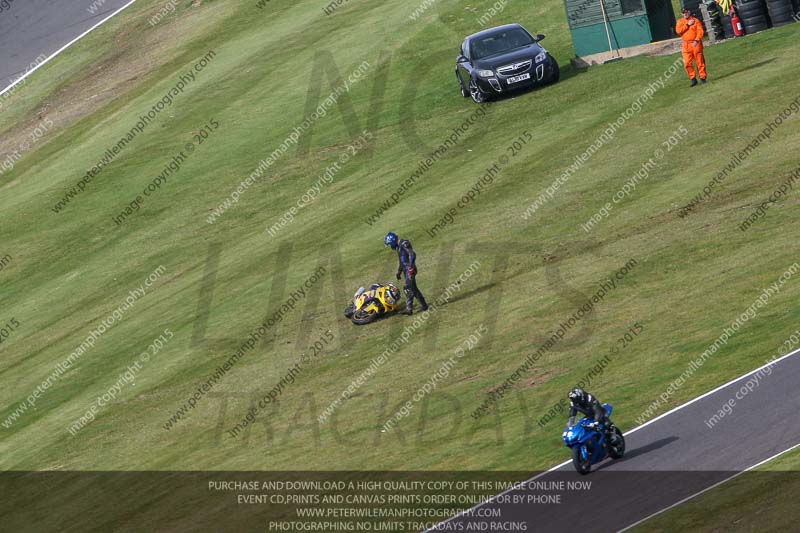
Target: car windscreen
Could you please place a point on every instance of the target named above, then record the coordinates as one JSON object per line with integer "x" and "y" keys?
{"x": 499, "y": 42}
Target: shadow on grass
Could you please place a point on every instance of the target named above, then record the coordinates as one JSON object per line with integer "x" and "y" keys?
{"x": 471, "y": 293}
{"x": 744, "y": 69}
{"x": 568, "y": 71}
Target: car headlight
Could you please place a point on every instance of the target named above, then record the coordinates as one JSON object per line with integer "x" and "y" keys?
{"x": 541, "y": 57}
{"x": 485, "y": 73}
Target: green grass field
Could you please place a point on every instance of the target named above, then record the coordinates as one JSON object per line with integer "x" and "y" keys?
{"x": 761, "y": 500}
{"x": 270, "y": 68}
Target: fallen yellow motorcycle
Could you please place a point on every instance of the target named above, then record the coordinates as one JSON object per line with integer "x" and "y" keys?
{"x": 370, "y": 304}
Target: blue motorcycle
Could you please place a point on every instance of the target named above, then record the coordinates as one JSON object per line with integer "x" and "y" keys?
{"x": 590, "y": 446}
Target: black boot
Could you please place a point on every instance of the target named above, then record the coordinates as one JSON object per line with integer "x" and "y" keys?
{"x": 693, "y": 82}
{"x": 409, "y": 301}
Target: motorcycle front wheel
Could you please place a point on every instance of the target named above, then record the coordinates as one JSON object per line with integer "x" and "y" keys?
{"x": 583, "y": 466}
{"x": 361, "y": 317}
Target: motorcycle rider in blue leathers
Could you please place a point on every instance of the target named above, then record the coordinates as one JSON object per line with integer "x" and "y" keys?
{"x": 407, "y": 268}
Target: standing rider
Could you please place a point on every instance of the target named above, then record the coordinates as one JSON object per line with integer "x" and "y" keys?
{"x": 407, "y": 267}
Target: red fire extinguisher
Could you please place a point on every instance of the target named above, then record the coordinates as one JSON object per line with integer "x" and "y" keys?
{"x": 738, "y": 31}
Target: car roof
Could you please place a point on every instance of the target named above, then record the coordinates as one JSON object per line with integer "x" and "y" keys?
{"x": 493, "y": 30}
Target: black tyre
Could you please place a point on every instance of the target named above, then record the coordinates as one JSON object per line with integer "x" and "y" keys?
{"x": 582, "y": 466}
{"x": 754, "y": 21}
{"x": 727, "y": 27}
{"x": 744, "y": 15}
{"x": 361, "y": 317}
{"x": 755, "y": 28}
{"x": 617, "y": 450}
{"x": 750, "y": 9}
{"x": 478, "y": 96}
{"x": 556, "y": 73}
{"x": 464, "y": 91}
{"x": 780, "y": 14}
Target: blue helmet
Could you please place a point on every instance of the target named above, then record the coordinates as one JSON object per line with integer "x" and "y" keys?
{"x": 390, "y": 240}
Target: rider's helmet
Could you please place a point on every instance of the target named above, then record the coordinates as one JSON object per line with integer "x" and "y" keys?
{"x": 392, "y": 294}
{"x": 390, "y": 240}
{"x": 577, "y": 395}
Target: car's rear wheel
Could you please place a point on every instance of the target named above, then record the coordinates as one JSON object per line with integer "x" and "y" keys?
{"x": 478, "y": 96}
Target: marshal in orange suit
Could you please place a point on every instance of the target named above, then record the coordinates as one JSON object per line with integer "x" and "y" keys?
{"x": 691, "y": 31}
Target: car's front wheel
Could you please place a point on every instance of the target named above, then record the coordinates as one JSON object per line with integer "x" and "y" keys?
{"x": 478, "y": 96}
{"x": 464, "y": 91}
{"x": 556, "y": 73}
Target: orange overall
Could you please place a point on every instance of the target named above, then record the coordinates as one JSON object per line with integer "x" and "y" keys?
{"x": 692, "y": 36}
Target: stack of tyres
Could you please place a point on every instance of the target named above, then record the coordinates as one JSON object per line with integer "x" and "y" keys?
{"x": 694, "y": 7}
{"x": 727, "y": 27}
{"x": 715, "y": 23}
{"x": 780, "y": 12}
{"x": 753, "y": 14}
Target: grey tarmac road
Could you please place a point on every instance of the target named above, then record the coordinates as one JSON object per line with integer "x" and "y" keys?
{"x": 668, "y": 460}
{"x": 30, "y": 28}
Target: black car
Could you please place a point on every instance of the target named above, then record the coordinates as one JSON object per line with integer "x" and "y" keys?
{"x": 501, "y": 60}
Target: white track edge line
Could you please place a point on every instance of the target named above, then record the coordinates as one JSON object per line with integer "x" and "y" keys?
{"x": 73, "y": 41}
{"x": 715, "y": 485}
{"x": 637, "y": 428}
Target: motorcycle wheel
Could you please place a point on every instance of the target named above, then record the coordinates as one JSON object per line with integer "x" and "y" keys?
{"x": 618, "y": 450}
{"x": 583, "y": 466}
{"x": 361, "y": 317}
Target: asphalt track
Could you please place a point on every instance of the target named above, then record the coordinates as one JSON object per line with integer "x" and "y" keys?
{"x": 32, "y": 28}
{"x": 669, "y": 459}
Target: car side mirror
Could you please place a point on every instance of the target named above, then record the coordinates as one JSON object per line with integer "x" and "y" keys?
{"x": 461, "y": 59}
{"x": 539, "y": 37}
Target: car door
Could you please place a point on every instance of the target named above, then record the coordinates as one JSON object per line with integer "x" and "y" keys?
{"x": 463, "y": 66}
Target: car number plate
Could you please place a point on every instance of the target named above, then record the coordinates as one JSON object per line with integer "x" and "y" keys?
{"x": 515, "y": 79}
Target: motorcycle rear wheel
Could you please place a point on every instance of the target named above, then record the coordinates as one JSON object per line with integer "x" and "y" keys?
{"x": 618, "y": 450}
{"x": 583, "y": 466}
